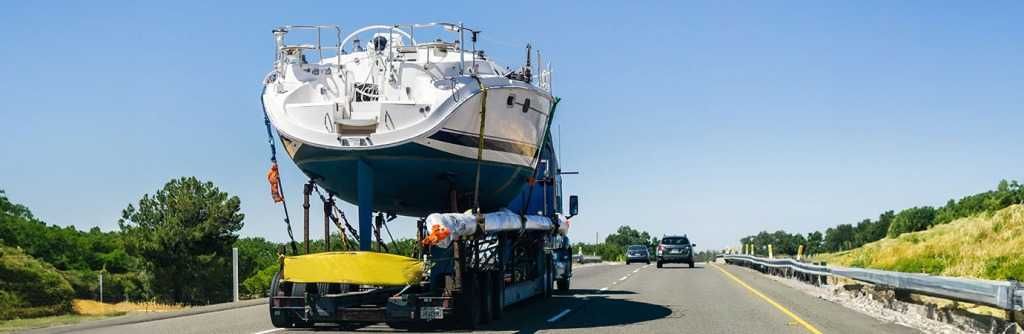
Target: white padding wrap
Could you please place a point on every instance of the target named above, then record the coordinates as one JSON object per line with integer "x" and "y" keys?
{"x": 464, "y": 224}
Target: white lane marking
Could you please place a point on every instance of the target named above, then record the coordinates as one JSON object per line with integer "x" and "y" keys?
{"x": 560, "y": 315}
{"x": 270, "y": 331}
{"x": 623, "y": 278}
{"x": 634, "y": 271}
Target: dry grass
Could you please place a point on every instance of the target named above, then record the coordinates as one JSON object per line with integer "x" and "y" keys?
{"x": 989, "y": 246}
{"x": 91, "y": 307}
{"x": 85, "y": 310}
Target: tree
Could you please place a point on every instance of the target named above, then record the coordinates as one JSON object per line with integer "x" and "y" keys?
{"x": 839, "y": 238}
{"x": 814, "y": 242}
{"x": 255, "y": 254}
{"x": 912, "y": 220}
{"x": 185, "y": 232}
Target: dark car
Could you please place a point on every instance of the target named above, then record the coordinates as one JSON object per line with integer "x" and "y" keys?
{"x": 637, "y": 253}
{"x": 675, "y": 249}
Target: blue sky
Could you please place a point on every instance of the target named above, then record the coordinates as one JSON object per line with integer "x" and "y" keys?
{"x": 716, "y": 119}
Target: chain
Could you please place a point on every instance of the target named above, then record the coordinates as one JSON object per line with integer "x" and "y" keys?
{"x": 273, "y": 160}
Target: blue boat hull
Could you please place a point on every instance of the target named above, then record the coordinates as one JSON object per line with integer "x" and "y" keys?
{"x": 412, "y": 179}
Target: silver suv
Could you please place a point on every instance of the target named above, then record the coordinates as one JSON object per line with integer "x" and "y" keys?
{"x": 675, "y": 249}
{"x": 637, "y": 253}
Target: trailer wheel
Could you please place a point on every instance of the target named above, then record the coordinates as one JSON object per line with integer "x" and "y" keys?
{"x": 498, "y": 293}
{"x": 563, "y": 285}
{"x": 549, "y": 280}
{"x": 486, "y": 297}
{"x": 284, "y": 318}
{"x": 468, "y": 302}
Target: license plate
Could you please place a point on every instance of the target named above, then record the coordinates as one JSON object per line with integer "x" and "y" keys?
{"x": 431, "y": 313}
{"x": 676, "y": 251}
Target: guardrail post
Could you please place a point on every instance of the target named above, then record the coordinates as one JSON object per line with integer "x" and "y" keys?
{"x": 800, "y": 253}
{"x": 771, "y": 255}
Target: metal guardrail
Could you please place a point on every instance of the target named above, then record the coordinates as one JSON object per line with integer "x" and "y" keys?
{"x": 1007, "y": 295}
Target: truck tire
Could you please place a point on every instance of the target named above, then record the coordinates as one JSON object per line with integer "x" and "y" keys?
{"x": 486, "y": 297}
{"x": 549, "y": 281}
{"x": 563, "y": 285}
{"x": 284, "y": 318}
{"x": 467, "y": 312}
{"x": 498, "y": 293}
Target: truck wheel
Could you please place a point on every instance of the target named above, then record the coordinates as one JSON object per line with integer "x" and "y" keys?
{"x": 284, "y": 318}
{"x": 486, "y": 296}
{"x": 467, "y": 303}
{"x": 659, "y": 264}
{"x": 498, "y": 293}
{"x": 563, "y": 285}
{"x": 549, "y": 281}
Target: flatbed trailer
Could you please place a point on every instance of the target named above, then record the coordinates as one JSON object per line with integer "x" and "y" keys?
{"x": 466, "y": 284}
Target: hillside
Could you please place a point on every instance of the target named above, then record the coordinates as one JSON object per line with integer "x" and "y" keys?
{"x": 986, "y": 245}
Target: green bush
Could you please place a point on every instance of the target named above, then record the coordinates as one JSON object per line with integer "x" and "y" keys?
{"x": 1004, "y": 268}
{"x": 258, "y": 284}
{"x": 30, "y": 288}
{"x": 116, "y": 287}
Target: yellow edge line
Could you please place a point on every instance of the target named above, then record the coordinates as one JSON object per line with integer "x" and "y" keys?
{"x": 792, "y": 315}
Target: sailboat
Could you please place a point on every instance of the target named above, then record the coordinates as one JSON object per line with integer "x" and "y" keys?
{"x": 409, "y": 127}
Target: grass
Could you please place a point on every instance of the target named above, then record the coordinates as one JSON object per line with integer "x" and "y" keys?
{"x": 57, "y": 320}
{"x": 85, "y": 310}
{"x": 91, "y": 307}
{"x": 989, "y": 246}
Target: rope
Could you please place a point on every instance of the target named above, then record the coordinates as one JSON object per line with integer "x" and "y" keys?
{"x": 273, "y": 161}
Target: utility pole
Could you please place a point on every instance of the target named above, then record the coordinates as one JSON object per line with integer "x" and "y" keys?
{"x": 101, "y": 287}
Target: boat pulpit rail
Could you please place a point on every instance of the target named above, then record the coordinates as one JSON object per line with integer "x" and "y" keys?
{"x": 284, "y": 49}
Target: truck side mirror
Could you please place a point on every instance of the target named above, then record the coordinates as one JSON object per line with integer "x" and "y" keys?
{"x": 574, "y": 205}
{"x": 693, "y": 245}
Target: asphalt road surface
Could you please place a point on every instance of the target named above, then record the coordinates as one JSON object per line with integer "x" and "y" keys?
{"x": 614, "y": 298}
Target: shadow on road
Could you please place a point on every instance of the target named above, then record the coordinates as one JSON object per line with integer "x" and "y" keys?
{"x": 590, "y": 308}
{"x": 576, "y": 292}
{"x": 681, "y": 266}
{"x": 586, "y": 312}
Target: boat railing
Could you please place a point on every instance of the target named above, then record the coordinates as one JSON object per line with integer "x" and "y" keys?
{"x": 319, "y": 47}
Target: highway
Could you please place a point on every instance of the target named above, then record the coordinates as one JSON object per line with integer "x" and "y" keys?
{"x": 613, "y": 298}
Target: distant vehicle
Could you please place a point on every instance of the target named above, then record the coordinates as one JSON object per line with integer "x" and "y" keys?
{"x": 637, "y": 253}
{"x": 675, "y": 249}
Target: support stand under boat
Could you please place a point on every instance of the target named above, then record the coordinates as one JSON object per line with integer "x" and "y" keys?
{"x": 364, "y": 192}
